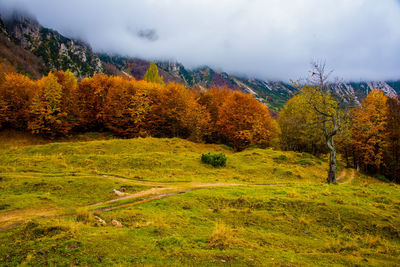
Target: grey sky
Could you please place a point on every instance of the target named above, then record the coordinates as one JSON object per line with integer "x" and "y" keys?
{"x": 272, "y": 39}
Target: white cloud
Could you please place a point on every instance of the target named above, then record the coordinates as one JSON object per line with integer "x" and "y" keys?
{"x": 274, "y": 39}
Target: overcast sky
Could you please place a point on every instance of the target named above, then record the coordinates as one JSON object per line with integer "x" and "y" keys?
{"x": 271, "y": 39}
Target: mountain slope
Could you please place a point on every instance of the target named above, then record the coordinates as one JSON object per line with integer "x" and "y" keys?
{"x": 56, "y": 51}
{"x": 21, "y": 59}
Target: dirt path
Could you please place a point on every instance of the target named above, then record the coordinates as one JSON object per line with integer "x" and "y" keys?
{"x": 151, "y": 191}
{"x": 341, "y": 175}
{"x": 14, "y": 218}
{"x": 351, "y": 177}
{"x": 159, "y": 193}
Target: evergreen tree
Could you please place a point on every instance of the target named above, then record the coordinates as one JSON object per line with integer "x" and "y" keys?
{"x": 152, "y": 75}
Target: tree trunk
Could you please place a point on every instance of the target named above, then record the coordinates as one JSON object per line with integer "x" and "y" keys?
{"x": 355, "y": 164}
{"x": 332, "y": 161}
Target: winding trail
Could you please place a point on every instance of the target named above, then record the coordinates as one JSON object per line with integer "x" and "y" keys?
{"x": 351, "y": 177}
{"x": 343, "y": 174}
{"x": 14, "y": 218}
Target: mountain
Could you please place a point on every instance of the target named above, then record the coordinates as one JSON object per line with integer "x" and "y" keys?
{"x": 275, "y": 94}
{"x": 55, "y": 51}
{"x": 21, "y": 59}
{"x": 35, "y": 50}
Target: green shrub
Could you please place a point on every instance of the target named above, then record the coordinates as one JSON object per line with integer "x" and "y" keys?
{"x": 215, "y": 160}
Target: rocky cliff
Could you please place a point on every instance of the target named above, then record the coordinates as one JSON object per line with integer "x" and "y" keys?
{"x": 56, "y": 51}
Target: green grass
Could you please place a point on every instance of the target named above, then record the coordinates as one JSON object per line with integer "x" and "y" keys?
{"x": 279, "y": 212}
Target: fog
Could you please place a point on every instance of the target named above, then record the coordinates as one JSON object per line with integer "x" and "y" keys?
{"x": 269, "y": 39}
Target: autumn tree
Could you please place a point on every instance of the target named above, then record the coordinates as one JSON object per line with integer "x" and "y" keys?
{"x": 151, "y": 75}
{"x": 345, "y": 145}
{"x": 392, "y": 154}
{"x": 212, "y": 99}
{"x": 92, "y": 94}
{"x": 69, "y": 103}
{"x": 46, "y": 114}
{"x": 242, "y": 121}
{"x": 127, "y": 107}
{"x": 196, "y": 119}
{"x": 16, "y": 92}
{"x": 299, "y": 126}
{"x": 175, "y": 112}
{"x": 321, "y": 96}
{"x": 369, "y": 131}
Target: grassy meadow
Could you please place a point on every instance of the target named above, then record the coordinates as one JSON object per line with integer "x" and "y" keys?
{"x": 266, "y": 207}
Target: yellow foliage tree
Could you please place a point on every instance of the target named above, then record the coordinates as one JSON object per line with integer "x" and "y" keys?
{"x": 49, "y": 111}
{"x": 299, "y": 126}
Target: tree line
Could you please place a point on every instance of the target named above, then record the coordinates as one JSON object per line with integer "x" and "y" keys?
{"x": 60, "y": 105}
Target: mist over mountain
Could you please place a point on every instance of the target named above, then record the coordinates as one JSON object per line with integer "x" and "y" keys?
{"x": 36, "y": 50}
{"x": 274, "y": 40}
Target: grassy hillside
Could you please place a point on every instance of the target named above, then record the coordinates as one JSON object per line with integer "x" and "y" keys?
{"x": 265, "y": 207}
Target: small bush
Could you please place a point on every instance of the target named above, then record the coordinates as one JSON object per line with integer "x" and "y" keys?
{"x": 215, "y": 160}
{"x": 84, "y": 216}
{"x": 222, "y": 236}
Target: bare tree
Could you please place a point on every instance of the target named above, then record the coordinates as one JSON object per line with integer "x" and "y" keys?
{"x": 327, "y": 106}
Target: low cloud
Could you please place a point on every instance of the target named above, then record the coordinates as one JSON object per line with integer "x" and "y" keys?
{"x": 270, "y": 39}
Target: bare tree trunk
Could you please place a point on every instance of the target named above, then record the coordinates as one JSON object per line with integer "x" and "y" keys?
{"x": 332, "y": 160}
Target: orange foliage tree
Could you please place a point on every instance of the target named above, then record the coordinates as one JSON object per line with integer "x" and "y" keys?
{"x": 369, "y": 130}
{"x": 242, "y": 121}
{"x": 127, "y": 107}
{"x": 175, "y": 112}
{"x": 58, "y": 105}
{"x": 92, "y": 94}
{"x": 212, "y": 100}
{"x": 16, "y": 91}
